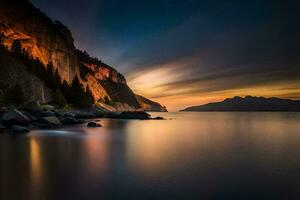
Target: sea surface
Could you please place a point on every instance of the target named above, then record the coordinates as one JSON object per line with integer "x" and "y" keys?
{"x": 205, "y": 155}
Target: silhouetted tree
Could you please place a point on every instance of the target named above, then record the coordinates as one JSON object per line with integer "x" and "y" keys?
{"x": 78, "y": 95}
{"x": 16, "y": 48}
{"x": 1, "y": 40}
{"x": 89, "y": 96}
{"x": 58, "y": 98}
{"x": 57, "y": 79}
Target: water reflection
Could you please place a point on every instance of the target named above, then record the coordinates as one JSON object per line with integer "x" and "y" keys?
{"x": 36, "y": 169}
{"x": 192, "y": 155}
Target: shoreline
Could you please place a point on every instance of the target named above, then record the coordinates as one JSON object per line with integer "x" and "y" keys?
{"x": 32, "y": 116}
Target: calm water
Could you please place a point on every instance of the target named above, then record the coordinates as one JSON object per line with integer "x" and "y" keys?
{"x": 192, "y": 156}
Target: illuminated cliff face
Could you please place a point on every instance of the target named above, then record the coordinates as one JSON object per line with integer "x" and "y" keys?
{"x": 103, "y": 72}
{"x": 98, "y": 73}
{"x": 43, "y": 39}
{"x": 96, "y": 88}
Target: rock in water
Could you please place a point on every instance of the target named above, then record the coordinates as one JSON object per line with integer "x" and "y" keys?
{"x": 93, "y": 125}
{"x": 19, "y": 129}
{"x": 71, "y": 121}
{"x": 13, "y": 117}
{"x": 159, "y": 118}
{"x": 52, "y": 121}
{"x": 46, "y": 114}
{"x": 134, "y": 115}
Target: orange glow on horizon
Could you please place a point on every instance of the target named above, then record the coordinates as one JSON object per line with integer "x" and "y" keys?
{"x": 180, "y": 101}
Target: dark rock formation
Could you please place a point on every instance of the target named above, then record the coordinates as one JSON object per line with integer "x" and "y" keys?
{"x": 93, "y": 125}
{"x": 13, "y": 117}
{"x": 52, "y": 121}
{"x": 250, "y": 103}
{"x": 159, "y": 118}
{"x": 19, "y": 129}
{"x": 134, "y": 115}
{"x": 71, "y": 121}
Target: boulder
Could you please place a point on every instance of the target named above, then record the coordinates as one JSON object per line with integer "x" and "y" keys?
{"x": 48, "y": 107}
{"x": 93, "y": 125}
{"x": 46, "y": 114}
{"x": 30, "y": 117}
{"x": 134, "y": 115}
{"x": 14, "y": 117}
{"x": 71, "y": 121}
{"x": 19, "y": 129}
{"x": 92, "y": 112}
{"x": 158, "y": 118}
{"x": 84, "y": 114}
{"x": 64, "y": 114}
{"x": 51, "y": 121}
{"x": 31, "y": 106}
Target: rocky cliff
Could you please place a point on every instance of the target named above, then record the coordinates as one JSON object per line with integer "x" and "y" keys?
{"x": 13, "y": 72}
{"x": 149, "y": 105}
{"x": 106, "y": 84}
{"x": 52, "y": 42}
{"x": 43, "y": 39}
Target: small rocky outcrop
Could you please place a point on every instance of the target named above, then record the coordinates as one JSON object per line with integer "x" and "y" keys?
{"x": 13, "y": 117}
{"x": 52, "y": 121}
{"x": 93, "y": 125}
{"x": 158, "y": 118}
{"x": 134, "y": 115}
{"x": 71, "y": 121}
{"x": 17, "y": 121}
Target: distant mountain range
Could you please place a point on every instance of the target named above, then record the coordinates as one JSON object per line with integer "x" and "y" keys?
{"x": 249, "y": 103}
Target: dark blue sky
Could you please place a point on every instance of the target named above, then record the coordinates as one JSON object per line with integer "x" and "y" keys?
{"x": 191, "y": 50}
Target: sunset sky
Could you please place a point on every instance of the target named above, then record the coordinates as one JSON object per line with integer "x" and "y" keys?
{"x": 190, "y": 52}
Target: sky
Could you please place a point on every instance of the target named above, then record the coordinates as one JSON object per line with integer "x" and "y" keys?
{"x": 191, "y": 52}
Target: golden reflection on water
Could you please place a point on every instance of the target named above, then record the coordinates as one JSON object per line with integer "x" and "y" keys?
{"x": 96, "y": 151}
{"x": 154, "y": 147}
{"x": 36, "y": 169}
{"x": 159, "y": 145}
